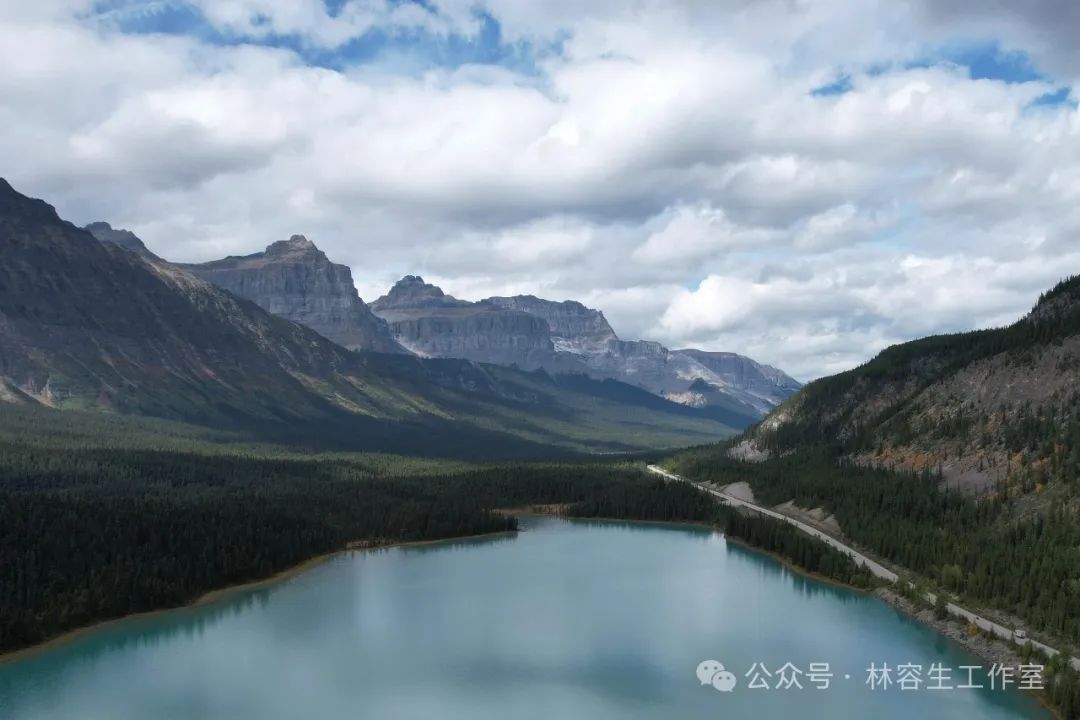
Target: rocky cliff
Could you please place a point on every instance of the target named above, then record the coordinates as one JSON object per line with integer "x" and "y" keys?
{"x": 295, "y": 280}
{"x": 764, "y": 382}
{"x": 433, "y": 324}
{"x": 412, "y": 293}
{"x": 574, "y": 328}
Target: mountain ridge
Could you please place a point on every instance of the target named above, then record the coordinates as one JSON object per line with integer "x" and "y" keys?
{"x": 294, "y": 279}
{"x": 576, "y": 339}
{"x": 89, "y": 325}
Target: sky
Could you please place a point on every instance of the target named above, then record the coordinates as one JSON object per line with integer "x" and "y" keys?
{"x": 802, "y": 181}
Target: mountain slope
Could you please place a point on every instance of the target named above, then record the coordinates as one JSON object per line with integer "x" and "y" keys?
{"x": 126, "y": 239}
{"x": 89, "y": 325}
{"x": 982, "y": 407}
{"x": 764, "y": 382}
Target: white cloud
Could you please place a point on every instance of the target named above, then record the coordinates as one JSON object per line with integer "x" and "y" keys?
{"x": 663, "y": 146}
{"x": 840, "y": 226}
{"x": 695, "y": 233}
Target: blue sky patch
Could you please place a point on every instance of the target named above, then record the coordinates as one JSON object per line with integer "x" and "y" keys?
{"x": 986, "y": 60}
{"x": 402, "y": 50}
{"x": 839, "y": 86}
{"x": 1058, "y": 98}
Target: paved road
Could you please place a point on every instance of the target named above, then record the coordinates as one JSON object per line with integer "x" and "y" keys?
{"x": 874, "y": 567}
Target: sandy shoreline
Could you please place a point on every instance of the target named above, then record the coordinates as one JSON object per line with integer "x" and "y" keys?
{"x": 222, "y": 594}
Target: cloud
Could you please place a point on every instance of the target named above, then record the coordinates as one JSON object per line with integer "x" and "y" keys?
{"x": 841, "y": 313}
{"x": 694, "y": 233}
{"x": 667, "y": 162}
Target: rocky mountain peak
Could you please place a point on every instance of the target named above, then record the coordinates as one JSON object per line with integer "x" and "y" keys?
{"x": 412, "y": 292}
{"x": 294, "y": 279}
{"x": 297, "y": 245}
{"x": 569, "y": 337}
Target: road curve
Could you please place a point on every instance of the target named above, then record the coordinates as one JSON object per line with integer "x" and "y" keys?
{"x": 877, "y": 569}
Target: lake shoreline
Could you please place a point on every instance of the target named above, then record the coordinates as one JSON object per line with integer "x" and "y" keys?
{"x": 988, "y": 649}
{"x": 954, "y": 632}
{"x": 788, "y": 564}
{"x": 221, "y": 594}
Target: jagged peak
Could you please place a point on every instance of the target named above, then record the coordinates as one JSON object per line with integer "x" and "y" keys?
{"x": 412, "y": 291}
{"x": 414, "y": 281}
{"x": 295, "y": 245}
{"x": 574, "y": 305}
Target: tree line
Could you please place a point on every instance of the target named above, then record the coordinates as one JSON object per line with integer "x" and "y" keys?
{"x": 91, "y": 534}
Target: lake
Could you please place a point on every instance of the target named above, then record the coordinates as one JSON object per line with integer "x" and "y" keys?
{"x": 564, "y": 620}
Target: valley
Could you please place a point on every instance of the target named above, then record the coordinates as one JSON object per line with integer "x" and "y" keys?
{"x": 444, "y": 360}
{"x": 253, "y": 413}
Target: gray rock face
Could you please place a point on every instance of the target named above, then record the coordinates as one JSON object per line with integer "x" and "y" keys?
{"x": 574, "y": 327}
{"x": 764, "y": 382}
{"x": 433, "y": 324}
{"x": 569, "y": 337}
{"x": 295, "y": 280}
{"x": 678, "y": 376}
{"x": 412, "y": 293}
{"x": 583, "y": 334}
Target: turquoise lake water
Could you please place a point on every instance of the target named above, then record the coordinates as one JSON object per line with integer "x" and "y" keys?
{"x": 564, "y": 620}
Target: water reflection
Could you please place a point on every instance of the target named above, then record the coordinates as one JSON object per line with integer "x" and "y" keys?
{"x": 567, "y": 619}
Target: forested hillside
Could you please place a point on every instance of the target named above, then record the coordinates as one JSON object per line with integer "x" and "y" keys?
{"x": 957, "y": 457}
{"x": 981, "y": 408}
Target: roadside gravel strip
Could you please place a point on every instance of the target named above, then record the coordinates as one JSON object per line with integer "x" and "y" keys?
{"x": 877, "y": 569}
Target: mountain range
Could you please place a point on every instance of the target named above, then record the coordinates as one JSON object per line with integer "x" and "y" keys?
{"x": 295, "y": 280}
{"x": 568, "y": 337}
{"x": 108, "y": 326}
